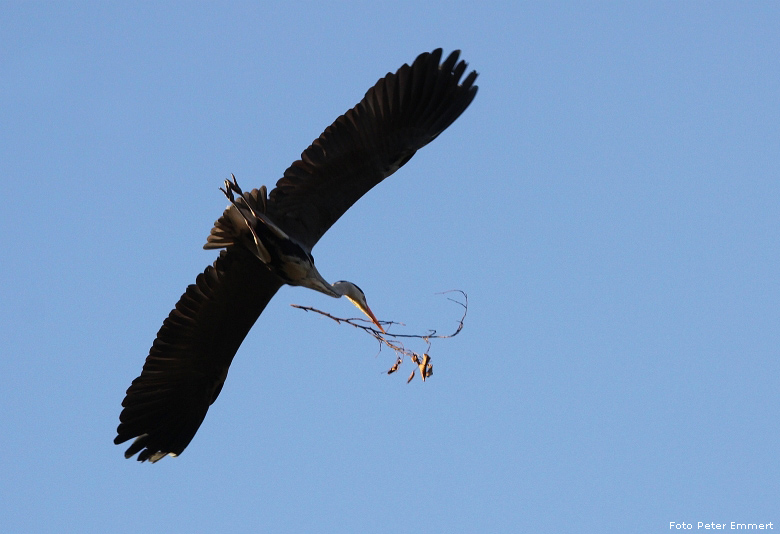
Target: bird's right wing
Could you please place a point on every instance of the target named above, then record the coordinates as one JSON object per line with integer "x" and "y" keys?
{"x": 189, "y": 360}
{"x": 403, "y": 112}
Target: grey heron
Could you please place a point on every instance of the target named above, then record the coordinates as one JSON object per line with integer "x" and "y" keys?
{"x": 265, "y": 241}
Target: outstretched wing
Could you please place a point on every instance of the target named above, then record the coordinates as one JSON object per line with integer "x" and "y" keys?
{"x": 399, "y": 115}
{"x": 188, "y": 362}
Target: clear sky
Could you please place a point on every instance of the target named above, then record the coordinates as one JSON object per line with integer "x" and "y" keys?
{"x": 609, "y": 202}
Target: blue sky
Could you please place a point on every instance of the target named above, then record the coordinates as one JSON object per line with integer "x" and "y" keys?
{"x": 609, "y": 202}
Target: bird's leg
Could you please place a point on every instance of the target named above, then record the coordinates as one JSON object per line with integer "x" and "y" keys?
{"x": 230, "y": 188}
{"x": 228, "y": 192}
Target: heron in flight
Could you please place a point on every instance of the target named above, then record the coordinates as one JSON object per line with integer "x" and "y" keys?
{"x": 266, "y": 241}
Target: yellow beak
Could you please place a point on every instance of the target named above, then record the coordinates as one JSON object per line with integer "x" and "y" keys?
{"x": 365, "y": 309}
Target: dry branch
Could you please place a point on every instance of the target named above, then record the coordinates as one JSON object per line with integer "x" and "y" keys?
{"x": 390, "y": 340}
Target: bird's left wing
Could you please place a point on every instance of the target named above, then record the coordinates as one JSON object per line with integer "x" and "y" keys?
{"x": 403, "y": 112}
{"x": 189, "y": 360}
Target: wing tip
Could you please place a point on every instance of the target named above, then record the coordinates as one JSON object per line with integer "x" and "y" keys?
{"x": 141, "y": 446}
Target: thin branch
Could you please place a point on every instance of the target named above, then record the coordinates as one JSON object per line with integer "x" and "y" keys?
{"x": 388, "y": 339}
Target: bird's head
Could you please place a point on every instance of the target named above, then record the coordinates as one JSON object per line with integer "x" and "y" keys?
{"x": 358, "y": 298}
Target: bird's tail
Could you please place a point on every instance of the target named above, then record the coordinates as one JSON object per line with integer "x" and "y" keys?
{"x": 228, "y": 229}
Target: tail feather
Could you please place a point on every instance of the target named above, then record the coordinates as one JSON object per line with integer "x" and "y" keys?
{"x": 225, "y": 233}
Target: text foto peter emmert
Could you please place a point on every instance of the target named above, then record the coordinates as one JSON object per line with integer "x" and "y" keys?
{"x": 721, "y": 526}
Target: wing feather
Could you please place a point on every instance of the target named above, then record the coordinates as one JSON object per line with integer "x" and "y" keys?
{"x": 189, "y": 360}
{"x": 403, "y": 112}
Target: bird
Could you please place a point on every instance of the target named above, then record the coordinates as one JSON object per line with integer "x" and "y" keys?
{"x": 265, "y": 241}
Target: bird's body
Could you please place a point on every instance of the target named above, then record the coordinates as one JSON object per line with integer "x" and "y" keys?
{"x": 266, "y": 242}
{"x": 281, "y": 254}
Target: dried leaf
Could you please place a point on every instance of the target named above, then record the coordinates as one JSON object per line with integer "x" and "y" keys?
{"x": 392, "y": 340}
{"x": 394, "y": 368}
